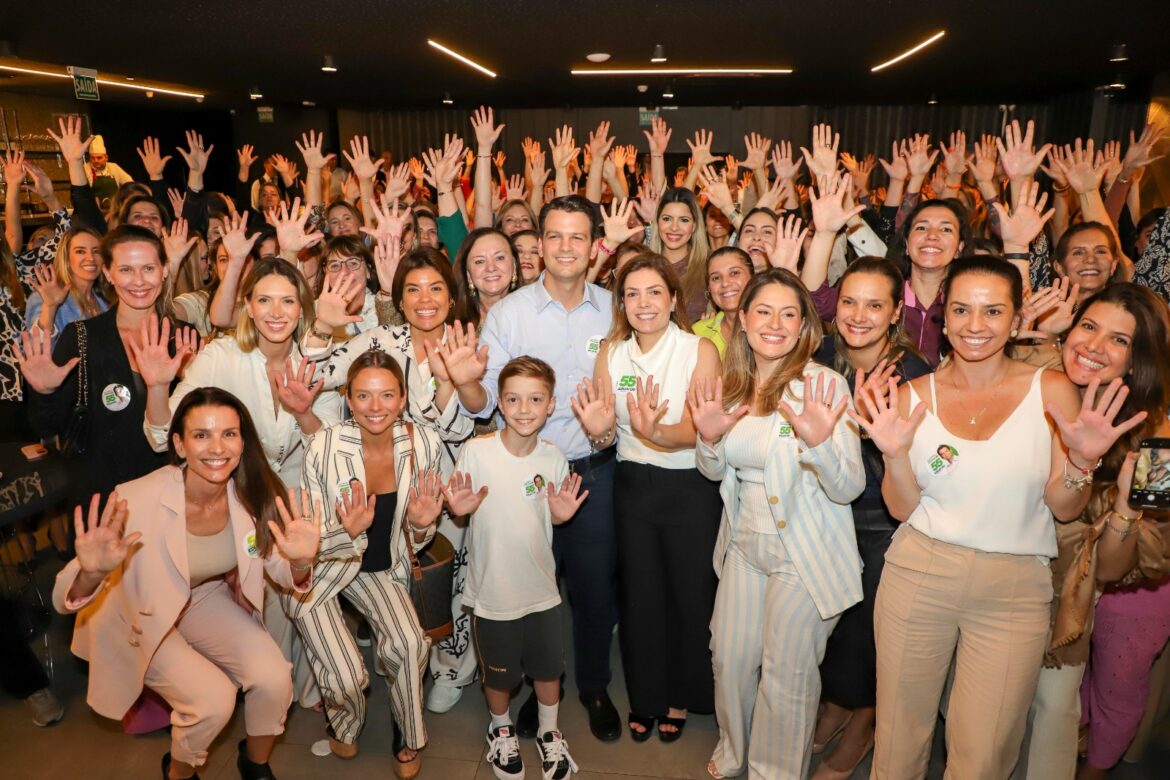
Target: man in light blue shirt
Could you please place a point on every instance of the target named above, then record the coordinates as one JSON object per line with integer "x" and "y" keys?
{"x": 562, "y": 319}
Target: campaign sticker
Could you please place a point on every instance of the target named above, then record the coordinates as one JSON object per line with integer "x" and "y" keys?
{"x": 343, "y": 489}
{"x": 593, "y": 344}
{"x": 944, "y": 460}
{"x": 627, "y": 384}
{"x": 534, "y": 487}
{"x": 250, "y": 547}
{"x": 786, "y": 431}
{"x": 116, "y": 397}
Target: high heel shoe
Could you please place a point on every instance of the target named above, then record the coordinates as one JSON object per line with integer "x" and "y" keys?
{"x": 819, "y": 747}
{"x": 405, "y": 770}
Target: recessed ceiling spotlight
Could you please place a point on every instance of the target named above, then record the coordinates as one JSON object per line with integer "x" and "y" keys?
{"x": 447, "y": 101}
{"x": 643, "y": 87}
{"x": 327, "y": 64}
{"x": 255, "y": 94}
{"x": 129, "y": 78}
{"x": 1120, "y": 53}
{"x": 659, "y": 54}
{"x": 668, "y": 93}
{"x": 199, "y": 99}
{"x": 150, "y": 93}
{"x": 933, "y": 101}
{"x": 1117, "y": 83}
{"x": 308, "y": 103}
{"x": 598, "y": 56}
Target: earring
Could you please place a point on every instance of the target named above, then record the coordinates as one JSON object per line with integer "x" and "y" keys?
{"x": 944, "y": 330}
{"x": 1015, "y": 332}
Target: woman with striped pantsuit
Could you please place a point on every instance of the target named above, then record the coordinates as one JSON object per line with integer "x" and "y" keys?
{"x": 773, "y": 431}
{"x": 360, "y": 472}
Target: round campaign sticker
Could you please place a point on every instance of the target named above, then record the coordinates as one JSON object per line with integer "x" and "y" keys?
{"x": 534, "y": 487}
{"x": 943, "y": 460}
{"x": 250, "y": 547}
{"x": 116, "y": 397}
{"x": 593, "y": 344}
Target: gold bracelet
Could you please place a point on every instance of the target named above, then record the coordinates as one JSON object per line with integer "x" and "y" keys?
{"x": 299, "y": 569}
{"x": 1130, "y": 528}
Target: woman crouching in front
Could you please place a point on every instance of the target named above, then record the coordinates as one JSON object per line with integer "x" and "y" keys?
{"x": 169, "y": 586}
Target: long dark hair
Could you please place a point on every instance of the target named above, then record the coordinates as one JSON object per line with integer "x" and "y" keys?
{"x": 468, "y": 308}
{"x": 1148, "y": 377}
{"x": 898, "y": 344}
{"x": 257, "y": 485}
{"x": 897, "y": 250}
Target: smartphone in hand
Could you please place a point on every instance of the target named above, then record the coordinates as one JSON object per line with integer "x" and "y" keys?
{"x": 1151, "y": 476}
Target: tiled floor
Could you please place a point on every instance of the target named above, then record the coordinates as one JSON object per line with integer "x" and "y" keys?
{"x": 86, "y": 745}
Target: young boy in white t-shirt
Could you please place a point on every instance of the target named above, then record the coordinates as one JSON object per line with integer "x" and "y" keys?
{"x": 511, "y": 587}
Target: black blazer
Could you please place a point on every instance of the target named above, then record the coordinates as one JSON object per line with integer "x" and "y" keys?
{"x": 117, "y": 450}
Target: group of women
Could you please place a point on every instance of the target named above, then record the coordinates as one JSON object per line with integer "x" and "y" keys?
{"x": 903, "y": 435}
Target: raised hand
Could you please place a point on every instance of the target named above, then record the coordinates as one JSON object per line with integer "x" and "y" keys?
{"x": 600, "y": 141}
{"x": 955, "y": 155}
{"x": 245, "y": 156}
{"x": 859, "y": 170}
{"x": 177, "y": 243}
{"x": 69, "y": 142}
{"x": 358, "y": 157}
{"x": 1061, "y": 314}
{"x": 564, "y": 151}
{"x": 647, "y": 202}
{"x": 1081, "y": 168}
{"x": 1110, "y": 157}
{"x": 1036, "y": 305}
{"x": 701, "y": 147}
{"x": 13, "y": 168}
{"x": 1090, "y": 435}
{"x": 195, "y": 155}
{"x": 1020, "y": 228}
{"x": 829, "y": 210}
{"x": 645, "y": 408}
{"x": 537, "y": 173}
{"x": 462, "y": 357}
{"x": 819, "y": 415}
{"x": 42, "y": 185}
{"x": 757, "y": 151}
{"x": 332, "y": 307}
{"x": 822, "y": 160}
{"x": 397, "y": 181}
{"x": 919, "y": 158}
{"x": 296, "y": 390}
{"x": 45, "y": 282}
{"x": 102, "y": 544}
{"x": 789, "y": 243}
{"x": 462, "y": 498}
{"x": 152, "y": 354}
{"x": 298, "y": 538}
{"x": 1020, "y": 159}
{"x": 530, "y": 148}
{"x": 564, "y": 503}
{"x": 36, "y": 361}
{"x": 1141, "y": 150}
{"x": 593, "y": 406}
{"x": 177, "y": 200}
{"x": 514, "y": 189}
{"x": 310, "y": 148}
{"x": 896, "y": 167}
{"x": 658, "y": 136}
{"x": 783, "y": 163}
{"x": 876, "y": 385}
{"x": 387, "y": 255}
{"x": 617, "y": 222}
{"x": 286, "y": 168}
{"x": 984, "y": 160}
{"x": 290, "y": 228}
{"x": 887, "y": 428}
{"x": 487, "y": 132}
{"x": 355, "y": 509}
{"x": 714, "y": 186}
{"x": 711, "y": 419}
{"x": 425, "y": 500}
{"x": 236, "y": 240}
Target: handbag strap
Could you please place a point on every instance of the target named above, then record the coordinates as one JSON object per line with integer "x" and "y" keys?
{"x": 82, "y": 372}
{"x": 415, "y": 567}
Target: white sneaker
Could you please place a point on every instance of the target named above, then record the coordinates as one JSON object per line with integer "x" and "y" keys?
{"x": 555, "y": 760}
{"x": 47, "y": 709}
{"x": 504, "y": 753}
{"x": 443, "y": 697}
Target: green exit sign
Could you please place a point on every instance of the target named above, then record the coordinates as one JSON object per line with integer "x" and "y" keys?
{"x": 85, "y": 86}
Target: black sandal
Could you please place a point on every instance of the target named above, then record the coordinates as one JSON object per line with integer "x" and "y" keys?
{"x": 647, "y": 725}
{"x": 166, "y": 769}
{"x": 671, "y": 736}
{"x": 249, "y": 769}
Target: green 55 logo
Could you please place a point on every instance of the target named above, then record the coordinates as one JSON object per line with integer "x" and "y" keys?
{"x": 627, "y": 383}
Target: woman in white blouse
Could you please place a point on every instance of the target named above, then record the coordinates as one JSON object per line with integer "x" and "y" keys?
{"x": 666, "y": 513}
{"x": 772, "y": 430}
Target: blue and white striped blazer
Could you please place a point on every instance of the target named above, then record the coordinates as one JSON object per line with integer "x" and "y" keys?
{"x": 810, "y": 490}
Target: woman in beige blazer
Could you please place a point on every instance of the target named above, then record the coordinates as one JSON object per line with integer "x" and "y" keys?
{"x": 169, "y": 585}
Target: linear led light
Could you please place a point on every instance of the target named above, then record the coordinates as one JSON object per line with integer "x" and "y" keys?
{"x": 460, "y": 57}
{"x": 680, "y": 71}
{"x": 107, "y": 82}
{"x": 908, "y": 52}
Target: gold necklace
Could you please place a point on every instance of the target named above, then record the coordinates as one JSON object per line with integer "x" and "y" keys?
{"x": 972, "y": 419}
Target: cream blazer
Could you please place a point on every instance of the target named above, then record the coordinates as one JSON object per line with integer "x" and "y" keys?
{"x": 121, "y": 625}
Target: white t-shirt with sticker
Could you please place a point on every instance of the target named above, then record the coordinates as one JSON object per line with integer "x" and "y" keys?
{"x": 511, "y": 568}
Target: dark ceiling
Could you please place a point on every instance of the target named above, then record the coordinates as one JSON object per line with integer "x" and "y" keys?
{"x": 994, "y": 50}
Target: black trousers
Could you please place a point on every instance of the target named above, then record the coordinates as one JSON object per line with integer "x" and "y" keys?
{"x": 586, "y": 555}
{"x": 667, "y": 522}
{"x": 21, "y": 674}
{"x": 849, "y": 669}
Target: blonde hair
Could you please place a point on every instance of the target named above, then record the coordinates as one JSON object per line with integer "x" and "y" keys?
{"x": 739, "y": 363}
{"x": 61, "y": 258}
{"x": 620, "y": 329}
{"x": 694, "y": 277}
{"x": 246, "y": 335}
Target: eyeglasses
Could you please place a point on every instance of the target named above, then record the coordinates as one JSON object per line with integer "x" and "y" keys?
{"x": 349, "y": 264}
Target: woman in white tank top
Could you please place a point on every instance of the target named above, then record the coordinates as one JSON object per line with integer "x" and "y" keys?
{"x": 665, "y": 512}
{"x": 977, "y": 471}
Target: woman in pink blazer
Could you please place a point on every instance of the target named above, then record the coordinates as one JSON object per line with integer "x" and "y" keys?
{"x": 169, "y": 585}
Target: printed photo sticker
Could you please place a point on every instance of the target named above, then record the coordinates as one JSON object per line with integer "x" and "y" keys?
{"x": 534, "y": 487}
{"x": 944, "y": 460}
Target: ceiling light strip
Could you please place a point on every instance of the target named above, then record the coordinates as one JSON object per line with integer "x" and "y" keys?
{"x": 460, "y": 57}
{"x": 680, "y": 71}
{"x": 140, "y": 87}
{"x": 908, "y": 52}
